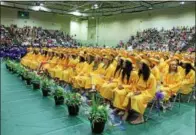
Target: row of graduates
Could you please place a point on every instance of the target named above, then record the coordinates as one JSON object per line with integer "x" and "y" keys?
{"x": 128, "y": 80}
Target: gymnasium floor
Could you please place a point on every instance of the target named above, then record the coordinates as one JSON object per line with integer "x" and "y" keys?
{"x": 26, "y": 112}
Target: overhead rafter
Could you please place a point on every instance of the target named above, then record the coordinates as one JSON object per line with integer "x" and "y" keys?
{"x": 104, "y": 7}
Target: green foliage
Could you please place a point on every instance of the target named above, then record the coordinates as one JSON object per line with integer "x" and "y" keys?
{"x": 11, "y": 64}
{"x": 30, "y": 74}
{"x": 45, "y": 83}
{"x": 98, "y": 112}
{"x": 20, "y": 69}
{"x": 8, "y": 63}
{"x": 25, "y": 73}
{"x": 59, "y": 91}
{"x": 36, "y": 77}
{"x": 72, "y": 99}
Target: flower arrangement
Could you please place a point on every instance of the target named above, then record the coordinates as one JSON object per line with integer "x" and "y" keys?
{"x": 159, "y": 97}
{"x": 25, "y": 73}
{"x": 98, "y": 113}
{"x": 58, "y": 95}
{"x": 20, "y": 69}
{"x": 36, "y": 77}
{"x": 98, "y": 116}
{"x": 59, "y": 91}
{"x": 13, "y": 52}
{"x": 46, "y": 85}
{"x": 12, "y": 65}
{"x": 72, "y": 99}
{"x": 36, "y": 81}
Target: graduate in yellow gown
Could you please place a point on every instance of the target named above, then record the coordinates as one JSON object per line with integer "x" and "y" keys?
{"x": 51, "y": 63}
{"x": 36, "y": 62}
{"x": 33, "y": 59}
{"x": 44, "y": 60}
{"x": 106, "y": 74}
{"x": 155, "y": 70}
{"x": 46, "y": 64}
{"x": 54, "y": 63}
{"x": 127, "y": 84}
{"x": 58, "y": 66}
{"x": 97, "y": 68}
{"x": 107, "y": 88}
{"x": 27, "y": 57}
{"x": 188, "y": 79}
{"x": 68, "y": 72}
{"x": 171, "y": 82}
{"x": 76, "y": 70}
{"x": 144, "y": 92}
{"x": 48, "y": 57}
{"x": 61, "y": 66}
{"x": 79, "y": 80}
{"x": 163, "y": 65}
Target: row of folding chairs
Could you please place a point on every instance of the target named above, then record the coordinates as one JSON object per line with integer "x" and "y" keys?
{"x": 155, "y": 104}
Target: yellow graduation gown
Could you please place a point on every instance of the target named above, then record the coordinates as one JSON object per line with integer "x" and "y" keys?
{"x": 69, "y": 72}
{"x": 120, "y": 94}
{"x": 107, "y": 88}
{"x": 163, "y": 67}
{"x": 79, "y": 80}
{"x": 59, "y": 69}
{"x": 105, "y": 77}
{"x": 51, "y": 63}
{"x": 188, "y": 82}
{"x": 148, "y": 89}
{"x": 36, "y": 62}
{"x": 156, "y": 73}
{"x": 171, "y": 84}
{"x": 88, "y": 79}
{"x": 26, "y": 58}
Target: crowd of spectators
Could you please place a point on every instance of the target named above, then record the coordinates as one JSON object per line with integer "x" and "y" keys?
{"x": 175, "y": 39}
{"x": 35, "y": 36}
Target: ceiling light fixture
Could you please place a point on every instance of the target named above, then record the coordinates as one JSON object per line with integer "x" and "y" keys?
{"x": 36, "y": 8}
{"x": 2, "y": 3}
{"x": 95, "y": 6}
{"x": 182, "y": 2}
{"x": 76, "y": 13}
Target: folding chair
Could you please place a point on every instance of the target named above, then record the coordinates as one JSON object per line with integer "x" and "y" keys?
{"x": 192, "y": 94}
{"x": 177, "y": 97}
{"x": 155, "y": 103}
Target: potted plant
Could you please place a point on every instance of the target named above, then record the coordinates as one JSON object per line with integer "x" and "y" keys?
{"x": 36, "y": 82}
{"x": 45, "y": 85}
{"x": 7, "y": 64}
{"x": 73, "y": 101}
{"x": 14, "y": 67}
{"x": 58, "y": 96}
{"x": 20, "y": 70}
{"x": 98, "y": 116}
{"x": 29, "y": 77}
{"x": 24, "y": 74}
{"x": 10, "y": 65}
